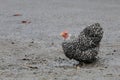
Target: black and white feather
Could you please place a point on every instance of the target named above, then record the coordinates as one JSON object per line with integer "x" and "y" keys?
{"x": 85, "y": 47}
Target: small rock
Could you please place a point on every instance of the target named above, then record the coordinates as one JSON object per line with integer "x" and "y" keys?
{"x": 112, "y": 53}
{"x": 105, "y": 67}
{"x": 25, "y": 55}
{"x": 25, "y": 22}
{"x": 17, "y": 15}
{"x": 55, "y": 78}
{"x": 34, "y": 72}
{"x": 52, "y": 43}
{"x": 25, "y": 59}
{"x": 114, "y": 50}
{"x": 32, "y": 42}
{"x": 33, "y": 67}
{"x": 12, "y": 43}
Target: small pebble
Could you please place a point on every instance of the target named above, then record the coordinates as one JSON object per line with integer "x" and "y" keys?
{"x": 114, "y": 50}
{"x": 52, "y": 43}
{"x": 12, "y": 43}
{"x": 112, "y": 53}
{"x": 34, "y": 72}
{"x": 17, "y": 15}
{"x": 32, "y": 42}
{"x": 33, "y": 67}
{"x": 25, "y": 59}
{"x": 105, "y": 67}
{"x": 25, "y": 22}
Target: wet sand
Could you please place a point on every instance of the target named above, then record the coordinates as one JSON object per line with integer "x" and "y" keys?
{"x": 30, "y": 44}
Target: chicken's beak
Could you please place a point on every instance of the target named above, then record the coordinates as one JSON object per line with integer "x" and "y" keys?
{"x": 62, "y": 34}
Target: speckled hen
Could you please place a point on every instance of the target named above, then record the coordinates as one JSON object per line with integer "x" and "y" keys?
{"x": 85, "y": 47}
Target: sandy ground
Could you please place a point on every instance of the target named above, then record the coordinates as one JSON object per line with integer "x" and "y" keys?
{"x": 32, "y": 51}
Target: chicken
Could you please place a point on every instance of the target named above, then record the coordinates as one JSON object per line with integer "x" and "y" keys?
{"x": 85, "y": 47}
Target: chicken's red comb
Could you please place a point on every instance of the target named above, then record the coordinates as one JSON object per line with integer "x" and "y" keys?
{"x": 64, "y": 34}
